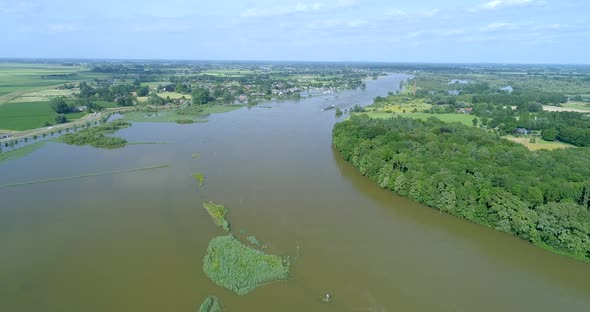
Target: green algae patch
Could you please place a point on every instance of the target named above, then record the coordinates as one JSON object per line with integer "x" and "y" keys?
{"x": 196, "y": 155}
{"x": 211, "y": 304}
{"x": 239, "y": 268}
{"x": 199, "y": 177}
{"x": 217, "y": 213}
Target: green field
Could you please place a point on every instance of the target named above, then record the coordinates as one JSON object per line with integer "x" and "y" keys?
{"x": 18, "y": 79}
{"x": 577, "y": 105}
{"x": 24, "y": 116}
{"x": 539, "y": 143}
{"x": 460, "y": 118}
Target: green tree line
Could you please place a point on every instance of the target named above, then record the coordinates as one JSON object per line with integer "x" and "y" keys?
{"x": 542, "y": 197}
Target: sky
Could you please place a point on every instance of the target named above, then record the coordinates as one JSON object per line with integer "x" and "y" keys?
{"x": 451, "y": 31}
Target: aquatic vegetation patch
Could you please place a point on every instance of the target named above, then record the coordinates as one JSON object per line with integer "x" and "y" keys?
{"x": 184, "y": 121}
{"x": 239, "y": 268}
{"x": 196, "y": 155}
{"x": 217, "y": 213}
{"x": 21, "y": 152}
{"x": 199, "y": 177}
{"x": 96, "y": 137}
{"x": 81, "y": 176}
{"x": 211, "y": 304}
{"x": 252, "y": 240}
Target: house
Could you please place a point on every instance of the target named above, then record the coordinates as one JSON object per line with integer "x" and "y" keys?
{"x": 243, "y": 98}
{"x": 521, "y": 131}
{"x": 466, "y": 110}
{"x": 80, "y": 108}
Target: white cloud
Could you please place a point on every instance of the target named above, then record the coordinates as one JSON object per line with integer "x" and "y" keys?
{"x": 16, "y": 7}
{"x": 431, "y": 13}
{"x": 300, "y": 7}
{"x": 395, "y": 12}
{"x": 56, "y": 28}
{"x": 501, "y": 4}
{"x": 499, "y": 26}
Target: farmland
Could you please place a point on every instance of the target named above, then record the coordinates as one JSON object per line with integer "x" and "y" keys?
{"x": 29, "y": 115}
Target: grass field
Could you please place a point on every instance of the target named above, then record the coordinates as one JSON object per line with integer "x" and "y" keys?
{"x": 460, "y": 118}
{"x": 30, "y": 115}
{"x": 585, "y": 106}
{"x": 400, "y": 104}
{"x": 43, "y": 95}
{"x": 539, "y": 144}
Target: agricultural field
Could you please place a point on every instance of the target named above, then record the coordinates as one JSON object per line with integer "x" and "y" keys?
{"x": 19, "y": 79}
{"x": 29, "y": 115}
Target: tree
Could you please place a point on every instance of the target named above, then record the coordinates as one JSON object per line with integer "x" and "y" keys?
{"x": 475, "y": 121}
{"x": 549, "y": 134}
{"x": 59, "y": 105}
{"x": 60, "y": 118}
{"x": 200, "y": 96}
{"x": 143, "y": 91}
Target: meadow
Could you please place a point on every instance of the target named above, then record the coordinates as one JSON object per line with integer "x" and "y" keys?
{"x": 460, "y": 118}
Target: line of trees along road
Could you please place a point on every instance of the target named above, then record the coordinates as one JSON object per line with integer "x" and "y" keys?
{"x": 542, "y": 197}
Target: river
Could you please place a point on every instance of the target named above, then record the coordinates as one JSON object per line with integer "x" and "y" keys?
{"x": 135, "y": 241}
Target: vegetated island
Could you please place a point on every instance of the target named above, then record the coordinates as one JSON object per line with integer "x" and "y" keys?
{"x": 211, "y": 304}
{"x": 95, "y": 136}
{"x": 217, "y": 213}
{"x": 199, "y": 177}
{"x": 541, "y": 196}
{"x": 239, "y": 268}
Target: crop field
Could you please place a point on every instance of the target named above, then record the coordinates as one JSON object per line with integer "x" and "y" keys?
{"x": 43, "y": 95}
{"x": 29, "y": 115}
{"x": 23, "y": 78}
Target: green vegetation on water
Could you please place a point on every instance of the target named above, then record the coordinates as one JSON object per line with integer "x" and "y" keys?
{"x": 233, "y": 265}
{"x": 82, "y": 176}
{"x": 21, "y": 152}
{"x": 199, "y": 177}
{"x": 542, "y": 197}
{"x": 95, "y": 136}
{"x": 252, "y": 240}
{"x": 184, "y": 121}
{"x": 196, "y": 155}
{"x": 211, "y": 304}
{"x": 217, "y": 213}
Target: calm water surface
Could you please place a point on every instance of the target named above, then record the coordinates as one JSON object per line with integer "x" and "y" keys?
{"x": 135, "y": 241}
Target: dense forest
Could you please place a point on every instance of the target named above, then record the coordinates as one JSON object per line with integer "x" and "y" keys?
{"x": 542, "y": 197}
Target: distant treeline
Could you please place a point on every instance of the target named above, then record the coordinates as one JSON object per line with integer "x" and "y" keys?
{"x": 542, "y": 197}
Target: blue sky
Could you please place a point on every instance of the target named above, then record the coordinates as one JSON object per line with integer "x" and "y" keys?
{"x": 497, "y": 31}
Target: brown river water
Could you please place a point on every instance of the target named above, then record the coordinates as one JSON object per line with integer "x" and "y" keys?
{"x": 135, "y": 241}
